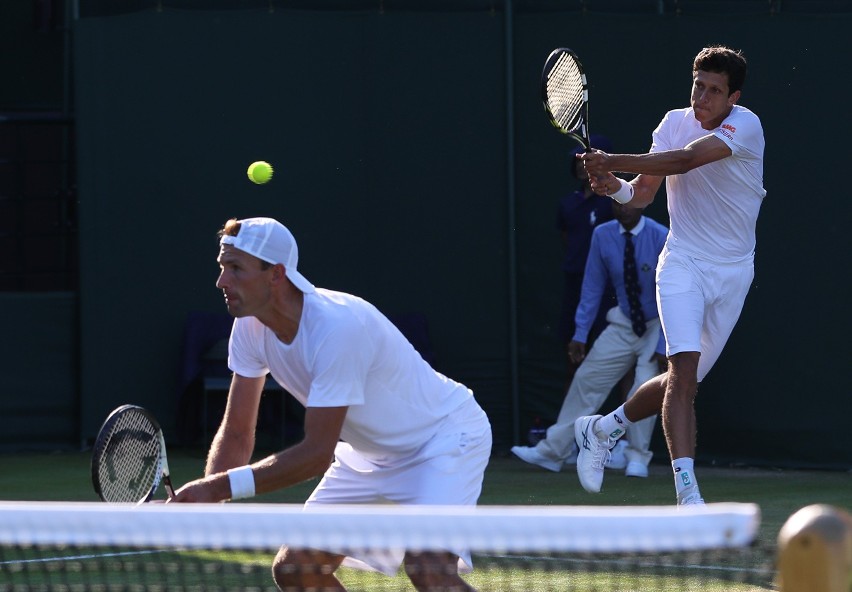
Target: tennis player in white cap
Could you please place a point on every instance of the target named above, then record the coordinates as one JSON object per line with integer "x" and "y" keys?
{"x": 381, "y": 425}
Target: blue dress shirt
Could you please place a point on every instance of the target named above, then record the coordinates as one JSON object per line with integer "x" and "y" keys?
{"x": 606, "y": 262}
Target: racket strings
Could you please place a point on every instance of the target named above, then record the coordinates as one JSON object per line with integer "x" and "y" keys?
{"x": 130, "y": 462}
{"x": 566, "y": 92}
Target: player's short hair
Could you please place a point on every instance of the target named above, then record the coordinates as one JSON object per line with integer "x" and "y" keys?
{"x": 232, "y": 228}
{"x": 723, "y": 60}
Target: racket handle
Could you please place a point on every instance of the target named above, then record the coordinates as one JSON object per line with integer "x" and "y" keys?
{"x": 167, "y": 483}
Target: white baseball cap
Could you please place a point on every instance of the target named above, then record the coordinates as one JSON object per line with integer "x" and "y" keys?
{"x": 270, "y": 240}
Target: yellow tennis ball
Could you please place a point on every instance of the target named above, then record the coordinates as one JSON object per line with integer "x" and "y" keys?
{"x": 260, "y": 172}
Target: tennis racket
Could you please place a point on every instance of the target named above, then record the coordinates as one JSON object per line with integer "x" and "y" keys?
{"x": 129, "y": 459}
{"x": 565, "y": 94}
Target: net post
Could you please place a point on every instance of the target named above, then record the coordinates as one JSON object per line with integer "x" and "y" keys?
{"x": 815, "y": 551}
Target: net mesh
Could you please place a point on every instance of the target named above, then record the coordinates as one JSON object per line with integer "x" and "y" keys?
{"x": 157, "y": 548}
{"x": 566, "y": 92}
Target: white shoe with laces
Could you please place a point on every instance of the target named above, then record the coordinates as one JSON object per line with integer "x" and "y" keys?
{"x": 593, "y": 455}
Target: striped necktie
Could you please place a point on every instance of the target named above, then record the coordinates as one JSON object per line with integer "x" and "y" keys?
{"x": 631, "y": 286}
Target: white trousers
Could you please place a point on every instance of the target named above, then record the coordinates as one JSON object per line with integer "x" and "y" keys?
{"x": 615, "y": 351}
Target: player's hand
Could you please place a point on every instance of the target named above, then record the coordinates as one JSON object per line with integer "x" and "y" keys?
{"x": 596, "y": 163}
{"x": 212, "y": 489}
{"x": 604, "y": 184}
{"x": 576, "y": 351}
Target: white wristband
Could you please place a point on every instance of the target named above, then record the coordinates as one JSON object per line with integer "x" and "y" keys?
{"x": 242, "y": 482}
{"x": 624, "y": 193}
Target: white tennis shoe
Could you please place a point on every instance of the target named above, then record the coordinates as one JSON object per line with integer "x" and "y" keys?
{"x": 593, "y": 455}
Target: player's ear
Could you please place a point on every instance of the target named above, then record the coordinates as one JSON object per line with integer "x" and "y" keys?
{"x": 278, "y": 272}
{"x": 734, "y": 97}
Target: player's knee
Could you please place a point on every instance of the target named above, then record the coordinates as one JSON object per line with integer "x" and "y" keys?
{"x": 301, "y": 569}
{"x": 284, "y": 571}
{"x": 434, "y": 571}
{"x": 291, "y": 570}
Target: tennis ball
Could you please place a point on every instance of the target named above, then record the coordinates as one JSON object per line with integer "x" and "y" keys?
{"x": 260, "y": 172}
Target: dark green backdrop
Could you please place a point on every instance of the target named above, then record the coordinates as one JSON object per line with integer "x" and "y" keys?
{"x": 416, "y": 168}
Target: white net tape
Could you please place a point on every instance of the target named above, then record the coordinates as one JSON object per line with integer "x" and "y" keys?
{"x": 485, "y": 528}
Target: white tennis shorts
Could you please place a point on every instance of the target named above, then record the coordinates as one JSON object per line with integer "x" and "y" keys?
{"x": 699, "y": 303}
{"x": 448, "y": 470}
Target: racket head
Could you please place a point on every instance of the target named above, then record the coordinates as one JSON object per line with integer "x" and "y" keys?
{"x": 565, "y": 94}
{"x": 128, "y": 456}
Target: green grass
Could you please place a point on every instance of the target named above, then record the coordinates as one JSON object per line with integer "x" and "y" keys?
{"x": 779, "y": 493}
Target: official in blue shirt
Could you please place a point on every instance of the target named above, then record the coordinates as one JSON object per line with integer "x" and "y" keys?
{"x": 619, "y": 347}
{"x": 605, "y": 264}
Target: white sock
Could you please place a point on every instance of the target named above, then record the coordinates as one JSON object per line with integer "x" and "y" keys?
{"x": 612, "y": 426}
{"x": 683, "y": 474}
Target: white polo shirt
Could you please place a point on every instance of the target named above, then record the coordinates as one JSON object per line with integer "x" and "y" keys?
{"x": 713, "y": 208}
{"x": 346, "y": 353}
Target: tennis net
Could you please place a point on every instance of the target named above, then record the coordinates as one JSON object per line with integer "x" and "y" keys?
{"x": 80, "y": 547}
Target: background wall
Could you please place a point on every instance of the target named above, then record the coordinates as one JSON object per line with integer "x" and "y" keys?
{"x": 32, "y": 54}
{"x": 416, "y": 168}
{"x": 393, "y": 192}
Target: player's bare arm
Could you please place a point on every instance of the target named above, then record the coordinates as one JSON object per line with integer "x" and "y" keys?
{"x": 651, "y": 168}
{"x": 309, "y": 458}
{"x": 669, "y": 162}
{"x": 234, "y": 441}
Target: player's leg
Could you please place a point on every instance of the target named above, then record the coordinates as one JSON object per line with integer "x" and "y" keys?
{"x": 679, "y": 425}
{"x": 682, "y": 298}
{"x": 434, "y": 572}
{"x": 647, "y": 400}
{"x": 449, "y": 470}
{"x": 725, "y": 288}
{"x": 305, "y": 569}
{"x": 351, "y": 479}
{"x": 678, "y": 415}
